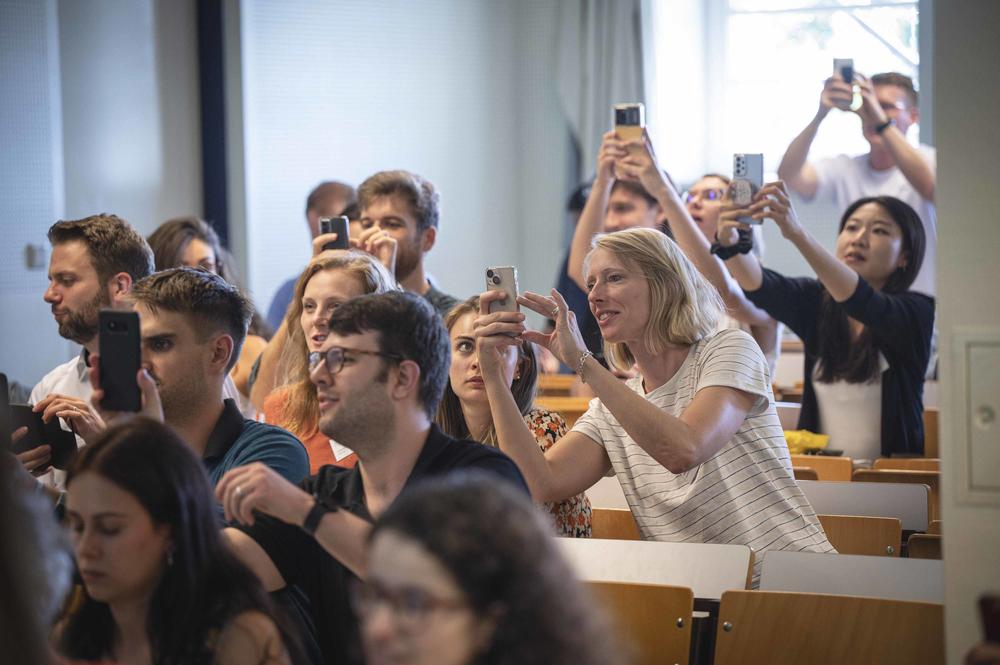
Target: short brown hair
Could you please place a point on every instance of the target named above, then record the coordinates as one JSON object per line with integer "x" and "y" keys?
{"x": 328, "y": 191}
{"x": 418, "y": 193}
{"x": 900, "y": 81}
{"x": 214, "y": 303}
{"x": 114, "y": 246}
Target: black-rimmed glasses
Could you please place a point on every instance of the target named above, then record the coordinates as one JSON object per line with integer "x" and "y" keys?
{"x": 334, "y": 357}
{"x": 411, "y": 606}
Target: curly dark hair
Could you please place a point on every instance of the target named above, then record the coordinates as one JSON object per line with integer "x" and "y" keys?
{"x": 205, "y": 587}
{"x": 500, "y": 552}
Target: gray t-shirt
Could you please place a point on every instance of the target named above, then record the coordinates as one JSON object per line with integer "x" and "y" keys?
{"x": 442, "y": 302}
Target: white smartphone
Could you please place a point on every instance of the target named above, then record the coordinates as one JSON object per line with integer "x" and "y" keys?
{"x": 748, "y": 178}
{"x": 503, "y": 278}
{"x": 844, "y": 68}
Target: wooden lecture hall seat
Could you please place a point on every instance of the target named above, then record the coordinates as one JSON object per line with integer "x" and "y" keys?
{"x": 654, "y": 620}
{"x": 856, "y": 534}
{"x": 827, "y": 467}
{"x": 570, "y": 408}
{"x": 804, "y": 473}
{"x": 908, "y": 463}
{"x": 924, "y": 546}
{"x": 614, "y": 523}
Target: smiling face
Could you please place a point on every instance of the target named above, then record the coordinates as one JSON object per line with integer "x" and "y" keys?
{"x": 418, "y": 614}
{"x": 120, "y": 551}
{"x": 393, "y": 215}
{"x": 871, "y": 243}
{"x": 75, "y": 292}
{"x": 619, "y": 297}
{"x": 704, "y": 204}
{"x": 466, "y": 381}
{"x": 325, "y": 291}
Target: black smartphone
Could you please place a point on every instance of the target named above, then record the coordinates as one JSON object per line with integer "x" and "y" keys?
{"x": 62, "y": 442}
{"x": 120, "y": 359}
{"x": 5, "y": 428}
{"x": 340, "y": 226}
{"x": 989, "y": 613}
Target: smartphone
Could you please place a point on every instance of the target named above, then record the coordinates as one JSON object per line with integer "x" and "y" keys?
{"x": 120, "y": 358}
{"x": 844, "y": 68}
{"x": 62, "y": 442}
{"x": 503, "y": 278}
{"x": 5, "y": 428}
{"x": 630, "y": 120}
{"x": 748, "y": 178}
{"x": 340, "y": 226}
{"x": 989, "y": 613}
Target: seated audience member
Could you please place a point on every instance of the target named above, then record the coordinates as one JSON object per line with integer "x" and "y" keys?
{"x": 94, "y": 263}
{"x": 272, "y": 367}
{"x": 694, "y": 439}
{"x": 379, "y": 376}
{"x": 693, "y": 224}
{"x": 465, "y": 411}
{"x": 326, "y": 284}
{"x": 161, "y": 586}
{"x": 35, "y": 567}
{"x": 191, "y": 242}
{"x": 867, "y": 336}
{"x": 327, "y": 199}
{"x": 892, "y": 166}
{"x": 192, "y": 324}
{"x": 478, "y": 551}
{"x": 406, "y": 206}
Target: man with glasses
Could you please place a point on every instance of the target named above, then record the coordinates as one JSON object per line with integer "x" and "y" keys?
{"x": 379, "y": 377}
{"x": 892, "y": 166}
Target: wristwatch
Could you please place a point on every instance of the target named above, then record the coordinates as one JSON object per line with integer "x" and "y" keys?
{"x": 314, "y": 516}
{"x": 884, "y": 126}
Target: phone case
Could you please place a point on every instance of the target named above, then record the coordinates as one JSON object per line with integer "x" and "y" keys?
{"x": 62, "y": 442}
{"x": 629, "y": 121}
{"x": 120, "y": 360}
{"x": 340, "y": 226}
{"x": 748, "y": 178}
{"x": 503, "y": 278}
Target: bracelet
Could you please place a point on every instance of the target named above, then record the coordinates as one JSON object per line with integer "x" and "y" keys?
{"x": 311, "y": 523}
{"x": 742, "y": 246}
{"x": 579, "y": 365}
{"x": 884, "y": 126}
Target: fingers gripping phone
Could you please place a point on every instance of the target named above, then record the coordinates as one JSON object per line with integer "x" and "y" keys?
{"x": 844, "y": 68}
{"x": 15, "y": 416}
{"x": 503, "y": 278}
{"x": 748, "y": 178}
{"x": 340, "y": 226}
{"x": 630, "y": 120}
{"x": 120, "y": 359}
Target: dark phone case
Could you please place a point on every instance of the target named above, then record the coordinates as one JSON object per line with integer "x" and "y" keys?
{"x": 62, "y": 442}
{"x": 340, "y": 226}
{"x": 989, "y": 612}
{"x": 5, "y": 428}
{"x": 120, "y": 358}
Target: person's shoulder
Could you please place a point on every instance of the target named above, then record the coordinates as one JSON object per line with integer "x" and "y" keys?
{"x": 728, "y": 338}
{"x": 257, "y": 437}
{"x": 250, "y": 638}
{"x": 449, "y": 454}
{"x": 51, "y": 378}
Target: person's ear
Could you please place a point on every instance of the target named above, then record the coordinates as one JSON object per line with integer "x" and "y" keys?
{"x": 405, "y": 380}
{"x": 914, "y": 114}
{"x": 222, "y": 350}
{"x": 119, "y": 286}
{"x": 428, "y": 238}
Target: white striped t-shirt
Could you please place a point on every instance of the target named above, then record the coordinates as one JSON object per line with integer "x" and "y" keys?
{"x": 744, "y": 494}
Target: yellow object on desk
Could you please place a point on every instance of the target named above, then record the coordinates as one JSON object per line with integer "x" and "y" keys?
{"x": 801, "y": 440}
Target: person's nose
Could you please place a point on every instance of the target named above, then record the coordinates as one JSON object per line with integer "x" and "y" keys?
{"x": 51, "y": 295}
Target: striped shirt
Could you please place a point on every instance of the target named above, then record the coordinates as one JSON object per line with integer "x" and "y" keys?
{"x": 745, "y": 493}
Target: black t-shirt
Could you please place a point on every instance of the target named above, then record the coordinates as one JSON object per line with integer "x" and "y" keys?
{"x": 323, "y": 579}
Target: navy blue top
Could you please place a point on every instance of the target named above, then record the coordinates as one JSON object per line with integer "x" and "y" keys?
{"x": 279, "y": 304}
{"x": 901, "y": 325}
{"x": 576, "y": 300}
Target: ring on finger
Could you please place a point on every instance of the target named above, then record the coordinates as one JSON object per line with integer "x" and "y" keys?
{"x": 239, "y": 492}
{"x": 555, "y": 312}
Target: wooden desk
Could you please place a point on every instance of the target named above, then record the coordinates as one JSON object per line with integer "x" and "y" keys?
{"x": 569, "y": 408}
{"x": 905, "y": 501}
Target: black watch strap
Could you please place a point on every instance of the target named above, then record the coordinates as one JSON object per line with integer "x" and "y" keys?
{"x": 311, "y": 522}
{"x": 885, "y": 125}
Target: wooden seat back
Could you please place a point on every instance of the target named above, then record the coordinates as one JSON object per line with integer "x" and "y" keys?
{"x": 827, "y": 467}
{"x": 555, "y": 385}
{"x": 855, "y": 534}
{"x": 908, "y": 463}
{"x": 655, "y": 620}
{"x": 932, "y": 432}
{"x": 779, "y": 628}
{"x": 924, "y": 546}
{"x": 570, "y": 408}
{"x": 804, "y": 473}
{"x": 615, "y": 523}
{"x": 929, "y": 478}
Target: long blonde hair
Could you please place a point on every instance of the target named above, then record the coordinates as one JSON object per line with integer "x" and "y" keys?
{"x": 684, "y": 307}
{"x": 301, "y": 413}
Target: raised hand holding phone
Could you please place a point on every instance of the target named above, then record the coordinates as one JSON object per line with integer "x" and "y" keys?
{"x": 151, "y": 407}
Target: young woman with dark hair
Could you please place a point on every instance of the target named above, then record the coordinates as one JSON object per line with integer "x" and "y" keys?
{"x": 867, "y": 337}
{"x": 463, "y": 571}
{"x": 464, "y": 412}
{"x": 161, "y": 587}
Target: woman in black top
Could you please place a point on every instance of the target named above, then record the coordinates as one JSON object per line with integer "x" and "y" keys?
{"x": 858, "y": 318}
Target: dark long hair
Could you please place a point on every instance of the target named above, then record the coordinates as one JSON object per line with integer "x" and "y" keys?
{"x": 204, "y": 587}
{"x": 856, "y": 361}
{"x": 495, "y": 544}
{"x": 450, "y": 417}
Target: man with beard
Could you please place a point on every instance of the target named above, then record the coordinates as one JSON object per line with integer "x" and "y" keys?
{"x": 94, "y": 263}
{"x": 380, "y": 376}
{"x": 192, "y": 325}
{"x": 405, "y": 206}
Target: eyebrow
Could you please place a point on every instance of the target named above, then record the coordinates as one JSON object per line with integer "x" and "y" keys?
{"x": 107, "y": 513}
{"x": 464, "y": 338}
{"x": 159, "y": 336}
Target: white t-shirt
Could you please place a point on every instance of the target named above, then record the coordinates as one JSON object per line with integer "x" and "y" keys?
{"x": 851, "y": 414}
{"x": 72, "y": 379}
{"x": 744, "y": 494}
{"x": 844, "y": 180}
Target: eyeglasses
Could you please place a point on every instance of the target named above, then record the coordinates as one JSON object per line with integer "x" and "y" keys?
{"x": 704, "y": 194}
{"x": 334, "y": 358}
{"x": 410, "y": 605}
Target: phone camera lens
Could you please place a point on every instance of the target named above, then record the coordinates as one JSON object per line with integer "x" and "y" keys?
{"x": 489, "y": 273}
{"x": 495, "y": 280}
{"x": 113, "y": 325}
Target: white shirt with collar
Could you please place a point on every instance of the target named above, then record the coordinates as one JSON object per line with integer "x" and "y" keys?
{"x": 72, "y": 379}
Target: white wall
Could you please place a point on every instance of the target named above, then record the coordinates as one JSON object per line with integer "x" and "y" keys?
{"x": 967, "y": 94}
{"x": 459, "y": 92}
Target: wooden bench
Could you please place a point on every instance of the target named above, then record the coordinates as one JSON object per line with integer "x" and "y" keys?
{"x": 776, "y": 628}
{"x": 570, "y": 408}
{"x": 854, "y": 534}
{"x": 929, "y": 478}
{"x": 614, "y": 523}
{"x": 847, "y": 574}
{"x": 655, "y": 620}
{"x": 804, "y": 473}
{"x": 827, "y": 467}
{"x": 908, "y": 463}
{"x": 908, "y": 503}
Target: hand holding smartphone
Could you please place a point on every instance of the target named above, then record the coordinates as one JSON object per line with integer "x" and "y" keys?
{"x": 748, "y": 178}
{"x": 340, "y": 226}
{"x": 843, "y": 68}
{"x": 120, "y": 360}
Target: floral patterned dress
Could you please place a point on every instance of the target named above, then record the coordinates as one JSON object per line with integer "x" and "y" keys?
{"x": 571, "y": 516}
